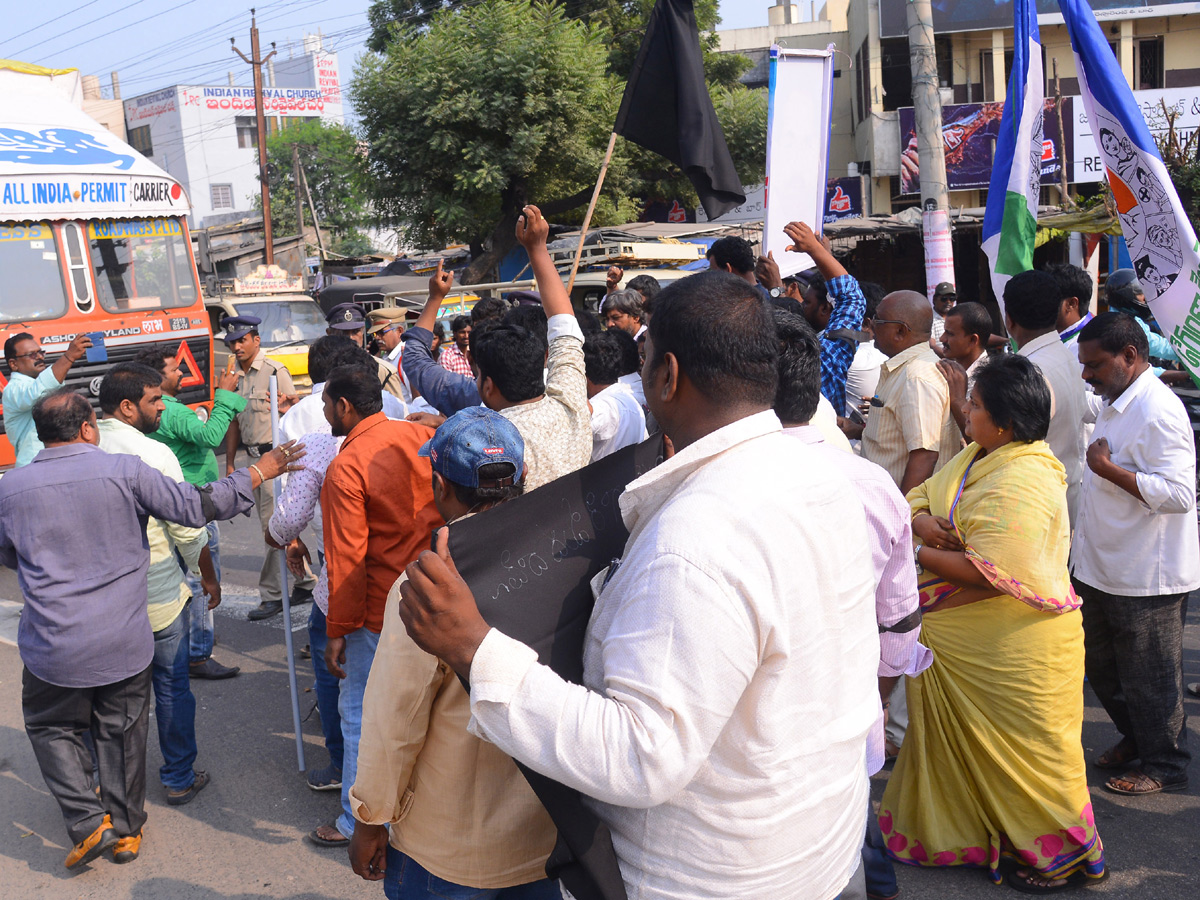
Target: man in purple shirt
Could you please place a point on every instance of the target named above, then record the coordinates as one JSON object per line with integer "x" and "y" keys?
{"x": 73, "y": 526}
{"x": 889, "y": 528}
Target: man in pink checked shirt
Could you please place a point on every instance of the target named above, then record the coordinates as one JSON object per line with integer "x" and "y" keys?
{"x": 453, "y": 357}
{"x": 890, "y": 530}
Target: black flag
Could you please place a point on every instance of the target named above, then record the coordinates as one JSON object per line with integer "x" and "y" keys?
{"x": 667, "y": 109}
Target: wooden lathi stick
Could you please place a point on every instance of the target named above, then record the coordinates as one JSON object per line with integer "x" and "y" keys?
{"x": 587, "y": 219}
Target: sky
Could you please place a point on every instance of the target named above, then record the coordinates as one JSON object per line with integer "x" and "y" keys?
{"x": 154, "y": 44}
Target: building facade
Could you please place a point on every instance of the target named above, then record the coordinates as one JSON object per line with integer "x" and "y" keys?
{"x": 206, "y": 136}
{"x": 872, "y": 104}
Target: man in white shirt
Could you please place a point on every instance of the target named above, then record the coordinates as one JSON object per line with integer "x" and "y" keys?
{"x": 965, "y": 337}
{"x": 131, "y": 397}
{"x": 730, "y": 661}
{"x": 325, "y": 355}
{"x": 617, "y": 417}
{"x": 1031, "y": 303}
{"x": 1135, "y": 556}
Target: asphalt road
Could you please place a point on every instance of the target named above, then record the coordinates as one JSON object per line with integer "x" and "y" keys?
{"x": 242, "y": 838}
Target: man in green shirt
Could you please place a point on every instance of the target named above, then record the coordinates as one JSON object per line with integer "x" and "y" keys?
{"x": 192, "y": 441}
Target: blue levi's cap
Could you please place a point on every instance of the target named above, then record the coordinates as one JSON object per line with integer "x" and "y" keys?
{"x": 237, "y": 327}
{"x": 472, "y": 438}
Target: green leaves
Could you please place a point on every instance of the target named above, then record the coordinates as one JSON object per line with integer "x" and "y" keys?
{"x": 471, "y": 109}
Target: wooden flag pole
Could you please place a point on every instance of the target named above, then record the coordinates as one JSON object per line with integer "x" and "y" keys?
{"x": 587, "y": 219}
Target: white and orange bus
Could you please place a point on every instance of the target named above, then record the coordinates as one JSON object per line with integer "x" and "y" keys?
{"x": 93, "y": 237}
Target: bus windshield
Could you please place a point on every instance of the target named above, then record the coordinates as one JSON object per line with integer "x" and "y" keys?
{"x": 141, "y": 264}
{"x": 31, "y": 285}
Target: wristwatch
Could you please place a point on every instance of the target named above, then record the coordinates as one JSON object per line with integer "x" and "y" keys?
{"x": 917, "y": 545}
{"x": 776, "y": 292}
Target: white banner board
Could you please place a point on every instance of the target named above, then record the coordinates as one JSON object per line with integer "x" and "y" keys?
{"x": 799, "y": 111}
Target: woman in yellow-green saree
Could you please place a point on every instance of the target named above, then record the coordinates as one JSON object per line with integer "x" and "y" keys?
{"x": 992, "y": 766}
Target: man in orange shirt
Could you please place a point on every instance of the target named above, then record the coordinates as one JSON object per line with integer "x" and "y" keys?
{"x": 379, "y": 514}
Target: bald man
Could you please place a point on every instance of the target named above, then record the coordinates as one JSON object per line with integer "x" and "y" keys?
{"x": 909, "y": 430}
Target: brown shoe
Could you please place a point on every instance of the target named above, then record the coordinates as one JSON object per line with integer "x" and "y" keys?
{"x": 92, "y": 845}
{"x": 126, "y": 849}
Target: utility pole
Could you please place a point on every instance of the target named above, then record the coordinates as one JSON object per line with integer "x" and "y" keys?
{"x": 927, "y": 105}
{"x": 256, "y": 62}
{"x": 312, "y": 211}
{"x": 931, "y": 156}
{"x": 299, "y": 199}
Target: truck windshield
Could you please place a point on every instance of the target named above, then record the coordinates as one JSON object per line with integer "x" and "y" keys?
{"x": 141, "y": 264}
{"x": 286, "y": 321}
{"x": 31, "y": 285}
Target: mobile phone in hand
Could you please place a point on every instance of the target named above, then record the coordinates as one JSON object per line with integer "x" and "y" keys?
{"x": 97, "y": 352}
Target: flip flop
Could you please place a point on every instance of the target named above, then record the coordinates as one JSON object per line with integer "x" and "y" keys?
{"x": 1141, "y": 783}
{"x": 316, "y": 838}
{"x": 1115, "y": 757}
{"x": 1077, "y": 879}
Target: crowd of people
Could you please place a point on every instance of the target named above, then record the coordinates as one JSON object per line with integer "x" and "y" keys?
{"x": 880, "y": 530}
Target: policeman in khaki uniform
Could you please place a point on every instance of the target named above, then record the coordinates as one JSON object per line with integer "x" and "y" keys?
{"x": 348, "y": 319}
{"x": 251, "y": 429}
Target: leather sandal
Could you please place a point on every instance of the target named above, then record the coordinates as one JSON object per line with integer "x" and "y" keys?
{"x": 1118, "y": 756}
{"x": 1137, "y": 783}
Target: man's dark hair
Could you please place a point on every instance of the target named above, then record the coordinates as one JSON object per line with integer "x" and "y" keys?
{"x": 812, "y": 281}
{"x": 631, "y": 359}
{"x": 647, "y": 286}
{"x": 513, "y": 357}
{"x": 799, "y": 389}
{"x": 126, "y": 381}
{"x": 872, "y": 292}
{"x": 589, "y": 323}
{"x": 60, "y": 414}
{"x": 732, "y": 251}
{"x": 603, "y": 358}
{"x": 488, "y": 308}
{"x": 458, "y": 323}
{"x": 155, "y": 357}
{"x": 489, "y": 490}
{"x": 327, "y": 353}
{"x": 358, "y": 386}
{"x": 1115, "y": 331}
{"x": 532, "y": 319}
{"x": 975, "y": 320}
{"x": 10, "y": 344}
{"x": 720, "y": 330}
{"x": 627, "y": 301}
{"x": 1072, "y": 282}
{"x": 1015, "y": 394}
{"x": 1031, "y": 299}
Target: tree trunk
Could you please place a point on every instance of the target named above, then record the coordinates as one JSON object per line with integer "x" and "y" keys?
{"x": 485, "y": 263}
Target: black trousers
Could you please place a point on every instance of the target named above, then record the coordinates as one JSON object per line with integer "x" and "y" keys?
{"x": 117, "y": 718}
{"x": 1134, "y": 663}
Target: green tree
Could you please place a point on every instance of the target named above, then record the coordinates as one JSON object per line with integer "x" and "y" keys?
{"x": 386, "y": 16}
{"x": 491, "y": 107}
{"x": 1180, "y": 151}
{"x": 335, "y": 172}
{"x": 471, "y": 109}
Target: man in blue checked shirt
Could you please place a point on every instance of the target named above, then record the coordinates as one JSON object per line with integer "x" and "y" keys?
{"x": 834, "y": 308}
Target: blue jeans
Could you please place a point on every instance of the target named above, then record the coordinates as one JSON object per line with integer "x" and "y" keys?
{"x": 174, "y": 704}
{"x": 877, "y": 865}
{"x": 406, "y": 879}
{"x": 327, "y": 688}
{"x": 360, "y": 653}
{"x": 201, "y": 637}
